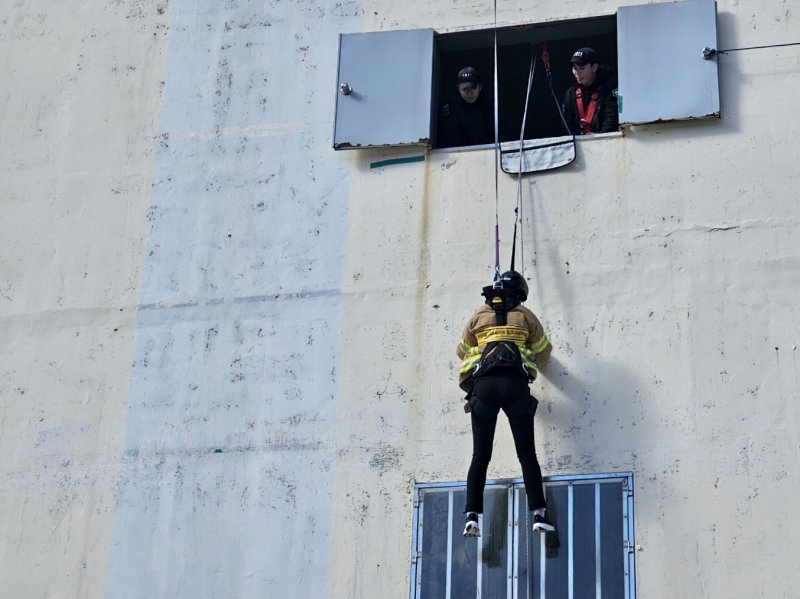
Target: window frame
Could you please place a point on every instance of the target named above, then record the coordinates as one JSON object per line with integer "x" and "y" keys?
{"x": 515, "y": 43}
{"x": 651, "y": 95}
{"x": 515, "y": 489}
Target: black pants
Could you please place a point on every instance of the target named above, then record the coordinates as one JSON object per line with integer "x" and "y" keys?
{"x": 498, "y": 392}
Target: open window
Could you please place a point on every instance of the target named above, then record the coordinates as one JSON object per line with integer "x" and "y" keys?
{"x": 391, "y": 84}
{"x": 591, "y": 554}
{"x": 517, "y": 48}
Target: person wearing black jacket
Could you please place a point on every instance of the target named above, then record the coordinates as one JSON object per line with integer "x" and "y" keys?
{"x": 466, "y": 119}
{"x": 501, "y": 349}
{"x": 590, "y": 106}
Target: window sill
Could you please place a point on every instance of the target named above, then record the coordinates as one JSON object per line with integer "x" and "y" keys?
{"x": 590, "y": 136}
{"x": 580, "y": 138}
{"x": 464, "y": 148}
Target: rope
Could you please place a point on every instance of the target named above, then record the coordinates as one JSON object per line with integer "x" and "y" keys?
{"x": 549, "y": 73}
{"x": 517, "y": 212}
{"x": 756, "y": 47}
{"x": 496, "y": 159}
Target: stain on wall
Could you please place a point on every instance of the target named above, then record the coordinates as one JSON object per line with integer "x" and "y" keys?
{"x": 218, "y": 337}
{"x": 226, "y": 468}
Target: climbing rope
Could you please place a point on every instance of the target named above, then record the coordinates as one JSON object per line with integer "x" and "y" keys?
{"x": 549, "y": 73}
{"x": 545, "y": 56}
{"x": 496, "y": 160}
{"x": 517, "y": 210}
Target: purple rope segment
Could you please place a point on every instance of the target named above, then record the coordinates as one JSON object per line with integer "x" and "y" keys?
{"x": 497, "y": 247}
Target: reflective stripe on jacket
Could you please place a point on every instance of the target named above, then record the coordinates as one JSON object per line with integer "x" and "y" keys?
{"x": 523, "y": 328}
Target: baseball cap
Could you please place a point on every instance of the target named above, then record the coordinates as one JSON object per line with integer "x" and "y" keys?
{"x": 468, "y": 75}
{"x": 583, "y": 56}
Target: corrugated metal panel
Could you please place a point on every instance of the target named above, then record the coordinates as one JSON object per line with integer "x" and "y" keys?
{"x": 662, "y": 73}
{"x": 387, "y": 98}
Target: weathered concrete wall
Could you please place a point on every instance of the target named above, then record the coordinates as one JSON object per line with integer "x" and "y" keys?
{"x": 81, "y": 87}
{"x": 663, "y": 267}
{"x": 170, "y": 308}
{"x": 231, "y": 406}
{"x": 227, "y": 352}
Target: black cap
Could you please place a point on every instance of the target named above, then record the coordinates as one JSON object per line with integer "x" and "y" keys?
{"x": 468, "y": 75}
{"x": 583, "y": 56}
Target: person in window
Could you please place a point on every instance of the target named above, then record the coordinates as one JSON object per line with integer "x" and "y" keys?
{"x": 501, "y": 348}
{"x": 590, "y": 106}
{"x": 467, "y": 118}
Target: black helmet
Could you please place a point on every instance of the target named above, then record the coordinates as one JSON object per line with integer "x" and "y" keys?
{"x": 511, "y": 279}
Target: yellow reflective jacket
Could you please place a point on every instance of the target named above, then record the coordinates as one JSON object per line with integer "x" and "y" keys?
{"x": 522, "y": 327}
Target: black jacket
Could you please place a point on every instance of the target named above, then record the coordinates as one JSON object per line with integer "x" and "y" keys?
{"x": 606, "y": 117}
{"x": 462, "y": 124}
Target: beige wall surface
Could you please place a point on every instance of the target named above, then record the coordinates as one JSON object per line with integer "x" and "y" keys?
{"x": 81, "y": 88}
{"x": 227, "y": 352}
{"x": 663, "y": 265}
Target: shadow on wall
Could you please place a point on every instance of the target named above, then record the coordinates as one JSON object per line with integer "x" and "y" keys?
{"x": 597, "y": 425}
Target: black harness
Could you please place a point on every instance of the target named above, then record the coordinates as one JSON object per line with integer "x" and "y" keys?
{"x": 500, "y": 356}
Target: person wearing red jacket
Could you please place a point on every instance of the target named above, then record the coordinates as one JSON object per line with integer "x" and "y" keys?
{"x": 590, "y": 106}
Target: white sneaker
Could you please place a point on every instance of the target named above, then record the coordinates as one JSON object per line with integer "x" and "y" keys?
{"x": 471, "y": 528}
{"x": 542, "y": 524}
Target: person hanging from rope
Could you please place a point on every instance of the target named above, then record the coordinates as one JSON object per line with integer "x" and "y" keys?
{"x": 590, "y": 106}
{"x": 502, "y": 347}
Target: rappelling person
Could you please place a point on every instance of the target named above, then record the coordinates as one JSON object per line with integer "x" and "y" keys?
{"x": 502, "y": 347}
{"x": 590, "y": 106}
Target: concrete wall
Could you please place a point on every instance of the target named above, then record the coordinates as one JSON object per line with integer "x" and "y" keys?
{"x": 227, "y": 351}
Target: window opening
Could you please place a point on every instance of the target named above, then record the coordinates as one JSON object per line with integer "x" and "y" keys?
{"x": 590, "y": 556}
{"x": 391, "y": 84}
{"x": 457, "y": 50}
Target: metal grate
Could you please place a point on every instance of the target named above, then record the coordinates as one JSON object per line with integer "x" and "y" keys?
{"x": 591, "y": 556}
